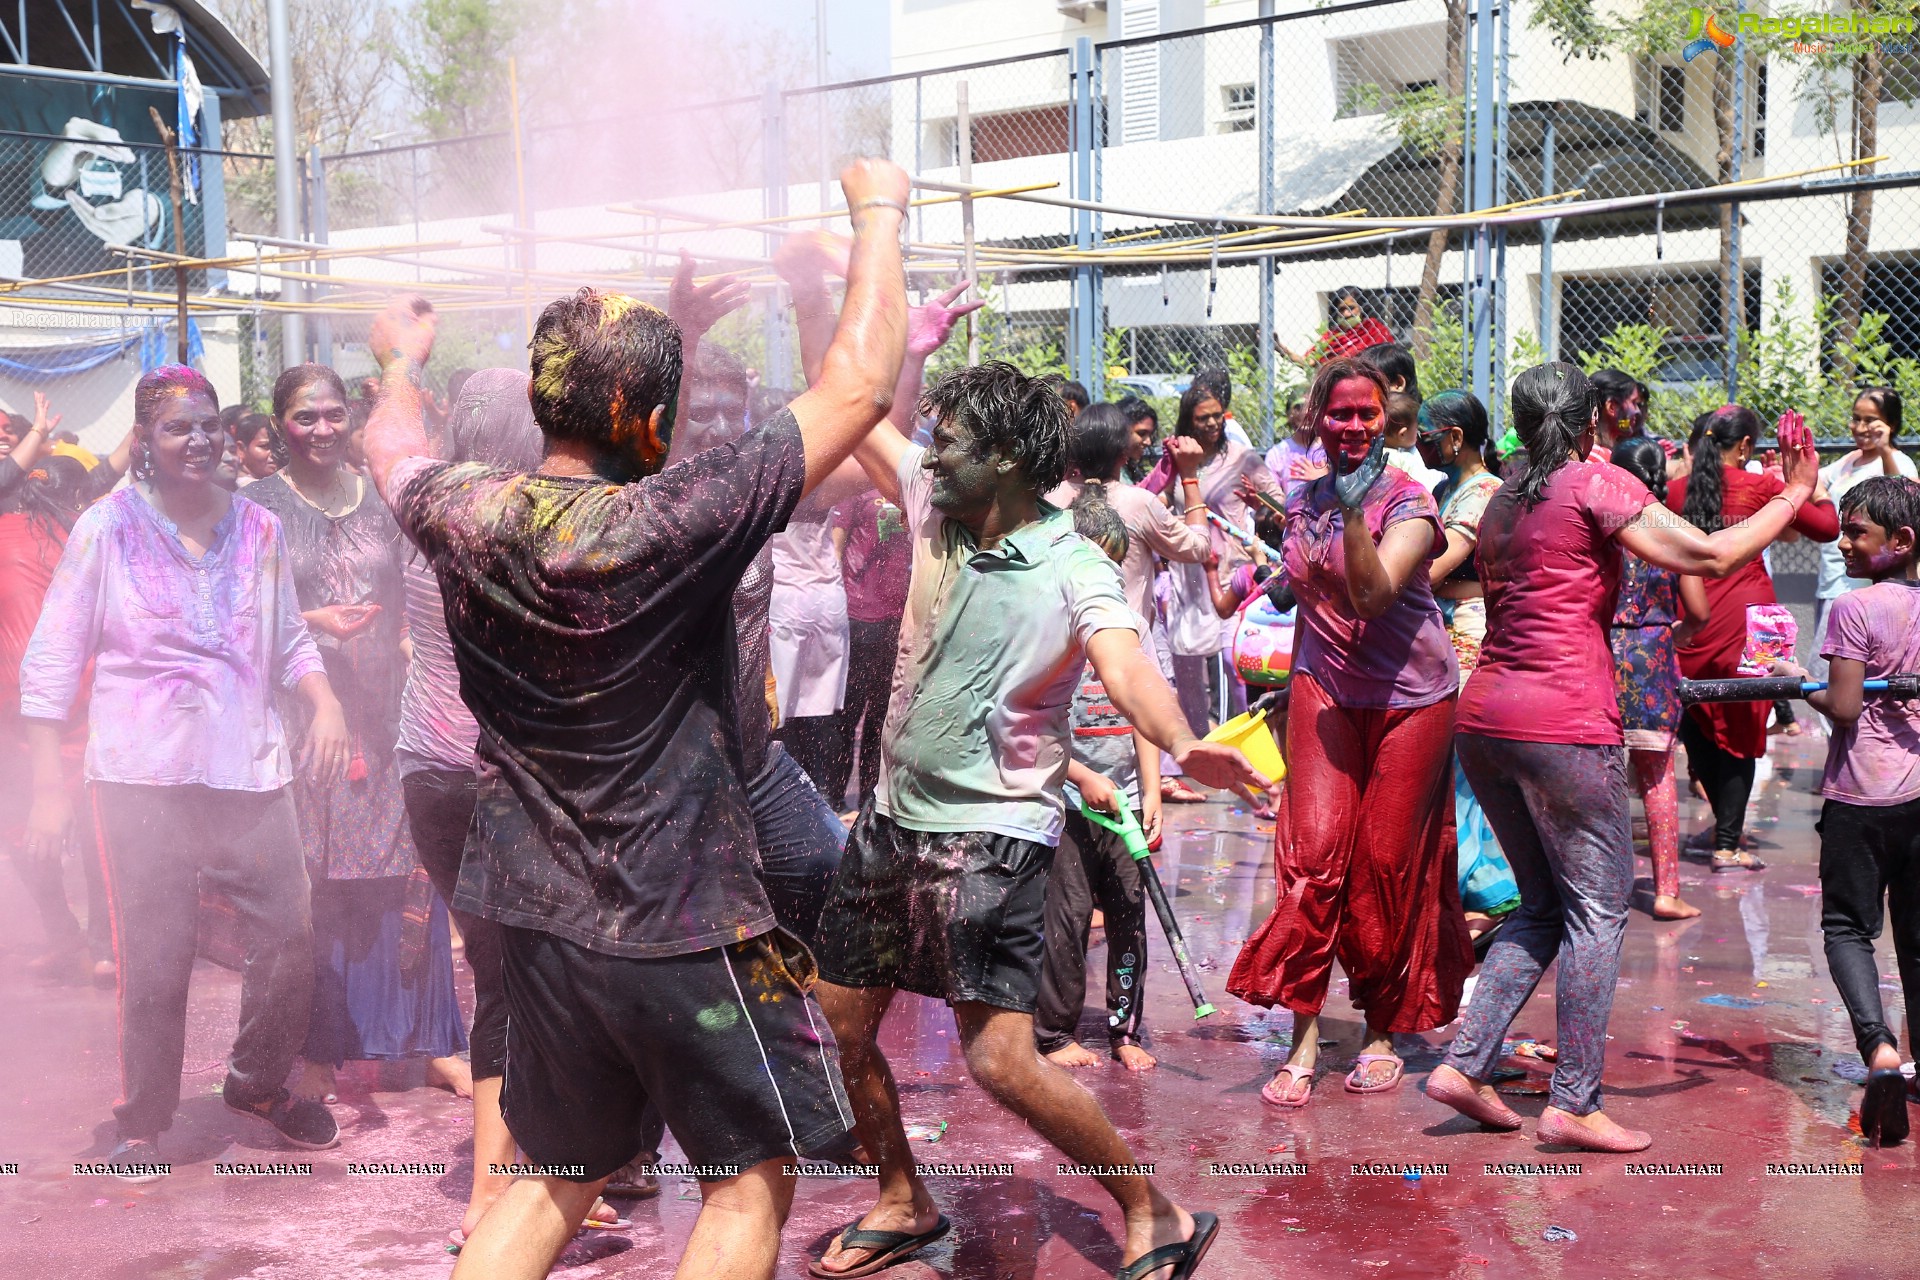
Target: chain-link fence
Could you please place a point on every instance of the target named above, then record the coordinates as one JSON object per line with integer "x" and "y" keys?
{"x": 1156, "y": 204}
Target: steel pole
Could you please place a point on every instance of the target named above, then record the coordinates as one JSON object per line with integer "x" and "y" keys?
{"x": 286, "y": 171}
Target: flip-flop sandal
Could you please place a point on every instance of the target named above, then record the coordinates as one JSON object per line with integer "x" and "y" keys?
{"x": 1271, "y": 1095}
{"x": 1883, "y": 1111}
{"x": 889, "y": 1246}
{"x": 457, "y": 1239}
{"x": 1184, "y": 1256}
{"x": 1356, "y": 1083}
{"x": 1740, "y": 861}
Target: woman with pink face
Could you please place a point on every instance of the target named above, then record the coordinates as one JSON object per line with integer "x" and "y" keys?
{"x": 1363, "y": 875}
{"x": 383, "y": 958}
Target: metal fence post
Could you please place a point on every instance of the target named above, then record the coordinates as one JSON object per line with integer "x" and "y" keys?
{"x": 1733, "y": 315}
{"x": 969, "y": 267}
{"x": 1547, "y": 229}
{"x": 1479, "y": 312}
{"x": 1083, "y": 325}
{"x": 1263, "y": 121}
{"x": 773, "y": 203}
{"x": 322, "y": 327}
{"x": 1496, "y": 407}
{"x": 286, "y": 170}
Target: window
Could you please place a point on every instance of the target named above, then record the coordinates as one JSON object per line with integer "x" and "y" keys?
{"x": 1673, "y": 99}
{"x": 1237, "y": 105}
{"x": 1370, "y": 72}
{"x": 1760, "y": 111}
{"x": 1684, "y": 302}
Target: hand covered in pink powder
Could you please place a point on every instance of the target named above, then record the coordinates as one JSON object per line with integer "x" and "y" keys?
{"x": 328, "y": 750}
{"x": 44, "y": 421}
{"x": 49, "y": 824}
{"x": 696, "y": 308}
{"x": 1800, "y": 463}
{"x": 929, "y": 325}
{"x": 404, "y": 331}
{"x": 808, "y": 257}
{"x": 1185, "y": 453}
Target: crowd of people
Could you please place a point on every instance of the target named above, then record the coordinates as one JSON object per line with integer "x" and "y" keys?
{"x": 700, "y": 719}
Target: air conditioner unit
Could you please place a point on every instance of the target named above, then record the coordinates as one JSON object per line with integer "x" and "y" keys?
{"x": 1079, "y": 9}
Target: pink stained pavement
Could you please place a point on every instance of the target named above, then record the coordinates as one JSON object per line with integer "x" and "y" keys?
{"x": 1721, "y": 1087}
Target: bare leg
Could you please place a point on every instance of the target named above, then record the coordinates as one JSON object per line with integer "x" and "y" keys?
{"x": 737, "y": 1235}
{"x": 523, "y": 1233}
{"x": 1002, "y": 1058}
{"x": 1653, "y": 779}
{"x": 492, "y": 1145}
{"x": 904, "y": 1203}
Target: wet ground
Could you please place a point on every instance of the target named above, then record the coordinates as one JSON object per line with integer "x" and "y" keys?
{"x": 1728, "y": 1041}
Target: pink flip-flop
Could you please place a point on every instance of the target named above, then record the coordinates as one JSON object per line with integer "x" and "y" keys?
{"x": 1356, "y": 1084}
{"x": 1271, "y": 1095}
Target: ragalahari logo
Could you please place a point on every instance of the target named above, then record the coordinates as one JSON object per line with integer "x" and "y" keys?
{"x": 1704, "y": 32}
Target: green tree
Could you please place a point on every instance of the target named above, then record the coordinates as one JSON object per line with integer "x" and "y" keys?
{"x": 458, "y": 71}
{"x": 1639, "y": 34}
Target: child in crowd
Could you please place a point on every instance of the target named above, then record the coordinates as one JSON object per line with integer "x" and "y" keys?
{"x": 1403, "y": 433}
{"x": 1092, "y": 866}
{"x": 1870, "y": 824}
{"x": 1656, "y": 611}
{"x": 1260, "y": 652}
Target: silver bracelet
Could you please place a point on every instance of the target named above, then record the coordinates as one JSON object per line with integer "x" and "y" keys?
{"x": 878, "y": 203}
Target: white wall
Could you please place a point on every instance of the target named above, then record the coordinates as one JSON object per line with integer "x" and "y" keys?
{"x": 97, "y": 405}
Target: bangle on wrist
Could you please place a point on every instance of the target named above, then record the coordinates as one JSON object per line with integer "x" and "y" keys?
{"x": 1198, "y": 506}
{"x": 878, "y": 202}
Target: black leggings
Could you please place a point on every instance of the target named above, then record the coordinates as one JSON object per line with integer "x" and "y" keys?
{"x": 871, "y": 649}
{"x": 1869, "y": 871}
{"x": 1727, "y": 778}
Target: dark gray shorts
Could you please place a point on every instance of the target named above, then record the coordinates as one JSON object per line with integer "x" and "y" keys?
{"x": 726, "y": 1043}
{"x": 954, "y": 915}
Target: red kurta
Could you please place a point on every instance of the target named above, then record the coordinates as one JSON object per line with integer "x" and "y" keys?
{"x": 1337, "y": 342}
{"x": 1739, "y": 728}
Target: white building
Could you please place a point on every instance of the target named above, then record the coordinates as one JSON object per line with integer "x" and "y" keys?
{"x": 1180, "y": 136}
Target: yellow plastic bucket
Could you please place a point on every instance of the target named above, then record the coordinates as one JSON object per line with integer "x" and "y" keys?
{"x": 1249, "y": 732}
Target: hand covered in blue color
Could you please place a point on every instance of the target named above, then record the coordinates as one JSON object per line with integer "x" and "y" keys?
{"x": 1352, "y": 488}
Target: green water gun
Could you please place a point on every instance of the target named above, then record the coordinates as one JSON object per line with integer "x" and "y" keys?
{"x": 1127, "y": 827}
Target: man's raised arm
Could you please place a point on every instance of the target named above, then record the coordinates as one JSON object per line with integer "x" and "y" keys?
{"x": 857, "y": 375}
{"x": 401, "y": 341}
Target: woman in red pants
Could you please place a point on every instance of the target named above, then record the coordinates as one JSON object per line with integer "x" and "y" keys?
{"x": 1363, "y": 876}
{"x": 1724, "y": 739}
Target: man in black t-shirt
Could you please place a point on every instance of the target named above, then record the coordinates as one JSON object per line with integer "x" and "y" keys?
{"x": 588, "y": 604}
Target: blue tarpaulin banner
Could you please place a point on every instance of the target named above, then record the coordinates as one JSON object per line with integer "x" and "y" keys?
{"x": 45, "y": 364}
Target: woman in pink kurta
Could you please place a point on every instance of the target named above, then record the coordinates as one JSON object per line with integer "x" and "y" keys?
{"x": 1361, "y": 873}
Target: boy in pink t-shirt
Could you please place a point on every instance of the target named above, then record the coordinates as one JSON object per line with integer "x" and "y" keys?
{"x": 1870, "y": 824}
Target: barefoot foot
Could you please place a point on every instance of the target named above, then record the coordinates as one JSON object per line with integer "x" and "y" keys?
{"x": 1670, "y": 907}
{"x": 1134, "y": 1058}
{"x": 452, "y": 1074}
{"x": 1073, "y": 1057}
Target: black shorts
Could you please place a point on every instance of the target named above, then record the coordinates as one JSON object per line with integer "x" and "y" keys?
{"x": 726, "y": 1043}
{"x": 954, "y": 915}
